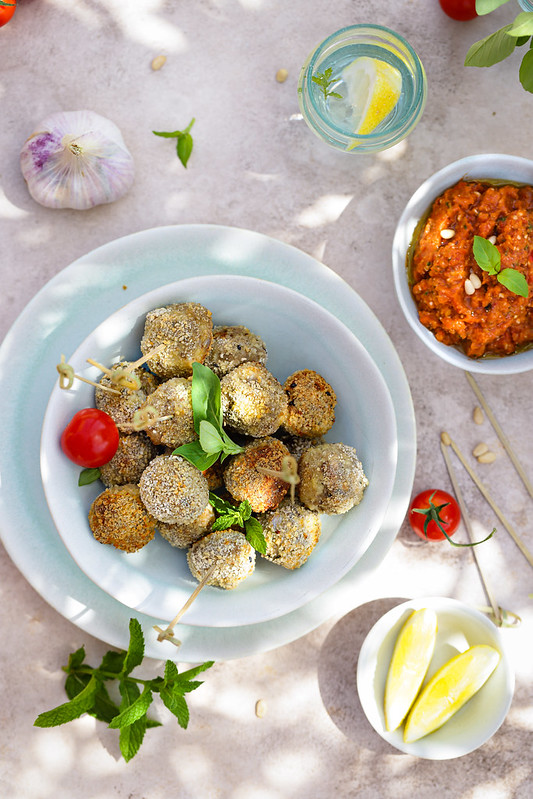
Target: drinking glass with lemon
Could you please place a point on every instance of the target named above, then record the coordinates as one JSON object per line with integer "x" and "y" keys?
{"x": 363, "y": 89}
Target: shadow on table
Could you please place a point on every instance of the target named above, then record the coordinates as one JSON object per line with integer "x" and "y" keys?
{"x": 337, "y": 674}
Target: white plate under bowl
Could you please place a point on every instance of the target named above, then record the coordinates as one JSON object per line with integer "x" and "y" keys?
{"x": 459, "y": 627}
{"x": 298, "y": 334}
{"x": 475, "y": 167}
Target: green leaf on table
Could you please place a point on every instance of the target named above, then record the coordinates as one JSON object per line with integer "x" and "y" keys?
{"x": 135, "y": 653}
{"x": 136, "y": 709}
{"x": 184, "y": 142}
{"x": 525, "y": 73}
{"x": 487, "y": 255}
{"x": 522, "y": 25}
{"x": 491, "y": 49}
{"x": 515, "y": 281}
{"x": 486, "y": 6}
{"x": 112, "y": 662}
{"x": 103, "y": 709}
{"x": 75, "y": 659}
{"x": 175, "y": 702}
{"x": 69, "y": 711}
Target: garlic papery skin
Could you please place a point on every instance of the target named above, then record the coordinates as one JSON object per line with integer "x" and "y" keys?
{"x": 76, "y": 159}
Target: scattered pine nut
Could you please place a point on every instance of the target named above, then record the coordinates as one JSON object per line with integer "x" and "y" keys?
{"x": 282, "y": 75}
{"x": 479, "y": 416}
{"x": 487, "y": 457}
{"x": 474, "y": 279}
{"x": 492, "y": 239}
{"x": 469, "y": 288}
{"x": 480, "y": 449}
{"x": 260, "y": 708}
{"x": 447, "y": 233}
{"x": 158, "y": 62}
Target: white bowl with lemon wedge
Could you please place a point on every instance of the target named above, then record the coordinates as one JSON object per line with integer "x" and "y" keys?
{"x": 433, "y": 678}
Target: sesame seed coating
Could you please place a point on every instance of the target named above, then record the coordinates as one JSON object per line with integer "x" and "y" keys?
{"x": 332, "y": 479}
{"x": 187, "y": 330}
{"x": 311, "y": 404}
{"x": 244, "y": 482}
{"x": 233, "y": 345}
{"x": 134, "y": 453}
{"x": 229, "y": 549}
{"x": 184, "y": 534}
{"x": 173, "y": 490}
{"x": 118, "y": 517}
{"x": 172, "y": 398}
{"x": 253, "y": 401}
{"x": 291, "y": 533}
{"x": 121, "y": 407}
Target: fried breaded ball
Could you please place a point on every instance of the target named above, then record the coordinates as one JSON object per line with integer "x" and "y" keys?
{"x": 183, "y": 534}
{"x": 296, "y": 445}
{"x": 118, "y": 517}
{"x": 134, "y": 453}
{"x": 172, "y": 398}
{"x": 233, "y": 345}
{"x": 291, "y": 533}
{"x": 244, "y": 482}
{"x": 332, "y": 479}
{"x": 186, "y": 329}
{"x": 253, "y": 402}
{"x": 173, "y": 490}
{"x": 229, "y": 549}
{"x": 121, "y": 407}
{"x": 214, "y": 476}
{"x": 311, "y": 405}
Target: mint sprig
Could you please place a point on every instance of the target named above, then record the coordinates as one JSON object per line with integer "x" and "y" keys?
{"x": 87, "y": 693}
{"x": 184, "y": 142}
{"x": 229, "y": 515}
{"x": 213, "y": 442}
{"x": 324, "y": 80}
{"x": 488, "y": 258}
{"x": 501, "y": 44}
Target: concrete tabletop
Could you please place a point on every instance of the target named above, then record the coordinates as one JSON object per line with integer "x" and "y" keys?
{"x": 255, "y": 165}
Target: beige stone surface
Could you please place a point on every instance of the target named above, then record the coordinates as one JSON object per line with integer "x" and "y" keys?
{"x": 255, "y": 165}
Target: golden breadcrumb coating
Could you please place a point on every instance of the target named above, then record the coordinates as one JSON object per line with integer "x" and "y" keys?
{"x": 134, "y": 453}
{"x": 118, "y": 517}
{"x": 173, "y": 490}
{"x": 291, "y": 533}
{"x": 186, "y": 329}
{"x": 253, "y": 401}
{"x": 233, "y": 345}
{"x": 229, "y": 549}
{"x": 245, "y": 482}
{"x": 332, "y": 479}
{"x": 311, "y": 404}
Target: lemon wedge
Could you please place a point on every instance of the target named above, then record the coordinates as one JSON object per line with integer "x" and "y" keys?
{"x": 448, "y": 690}
{"x": 412, "y": 653}
{"x": 373, "y": 89}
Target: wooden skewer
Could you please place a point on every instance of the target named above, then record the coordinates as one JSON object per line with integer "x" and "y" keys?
{"x": 508, "y": 526}
{"x": 168, "y": 634}
{"x": 468, "y": 524}
{"x": 147, "y": 357}
{"x": 501, "y": 435}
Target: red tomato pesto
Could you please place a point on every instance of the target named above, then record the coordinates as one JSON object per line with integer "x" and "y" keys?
{"x": 492, "y": 320}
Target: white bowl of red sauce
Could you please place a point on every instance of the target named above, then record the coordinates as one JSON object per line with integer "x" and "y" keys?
{"x": 464, "y": 314}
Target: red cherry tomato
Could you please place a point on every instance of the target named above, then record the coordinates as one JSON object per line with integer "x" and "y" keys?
{"x": 459, "y": 9}
{"x": 7, "y": 9}
{"x": 90, "y": 439}
{"x": 430, "y": 507}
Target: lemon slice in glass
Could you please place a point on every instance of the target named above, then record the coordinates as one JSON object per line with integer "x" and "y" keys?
{"x": 412, "y": 654}
{"x": 373, "y": 89}
{"x": 448, "y": 690}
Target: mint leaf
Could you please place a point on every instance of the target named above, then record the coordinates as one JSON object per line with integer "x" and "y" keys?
{"x": 135, "y": 710}
{"x": 88, "y": 476}
{"x": 522, "y": 25}
{"x": 254, "y": 535}
{"x": 515, "y": 281}
{"x": 75, "y": 659}
{"x": 184, "y": 148}
{"x": 112, "y": 662}
{"x": 486, "y": 6}
{"x": 196, "y": 670}
{"x": 525, "y": 73}
{"x": 69, "y": 711}
{"x": 225, "y": 521}
{"x": 487, "y": 255}
{"x": 131, "y": 735}
{"x": 177, "y": 705}
{"x": 491, "y": 49}
{"x": 135, "y": 653}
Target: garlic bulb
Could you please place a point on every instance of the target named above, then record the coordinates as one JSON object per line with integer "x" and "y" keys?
{"x": 76, "y": 159}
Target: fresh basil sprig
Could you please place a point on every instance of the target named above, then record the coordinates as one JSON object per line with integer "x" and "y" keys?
{"x": 213, "y": 442}
{"x": 184, "y": 142}
{"x": 500, "y": 44}
{"x": 240, "y": 516}
{"x": 85, "y": 688}
{"x": 324, "y": 80}
{"x": 488, "y": 258}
